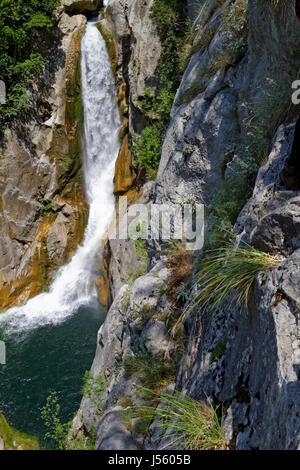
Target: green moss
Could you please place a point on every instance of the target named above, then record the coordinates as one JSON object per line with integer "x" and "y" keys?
{"x": 13, "y": 439}
{"x": 218, "y": 351}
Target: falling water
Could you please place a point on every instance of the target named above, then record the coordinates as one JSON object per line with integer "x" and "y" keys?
{"x": 73, "y": 285}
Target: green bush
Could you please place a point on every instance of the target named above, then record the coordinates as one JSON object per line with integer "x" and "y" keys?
{"x": 21, "y": 23}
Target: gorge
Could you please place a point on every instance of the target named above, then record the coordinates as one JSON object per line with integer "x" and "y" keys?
{"x": 165, "y": 102}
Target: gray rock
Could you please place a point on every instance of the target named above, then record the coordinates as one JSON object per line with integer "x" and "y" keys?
{"x": 112, "y": 433}
{"x": 156, "y": 338}
{"x": 134, "y": 33}
{"x": 81, "y": 5}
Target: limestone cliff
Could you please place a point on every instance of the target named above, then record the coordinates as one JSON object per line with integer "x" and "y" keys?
{"x": 235, "y": 92}
{"x": 43, "y": 211}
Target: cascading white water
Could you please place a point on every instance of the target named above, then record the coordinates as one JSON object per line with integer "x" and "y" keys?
{"x": 73, "y": 285}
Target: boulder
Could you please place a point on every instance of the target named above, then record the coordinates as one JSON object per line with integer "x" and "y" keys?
{"x": 112, "y": 433}
{"x": 78, "y": 6}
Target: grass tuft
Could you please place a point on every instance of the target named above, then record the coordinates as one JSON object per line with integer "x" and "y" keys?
{"x": 228, "y": 270}
{"x": 193, "y": 425}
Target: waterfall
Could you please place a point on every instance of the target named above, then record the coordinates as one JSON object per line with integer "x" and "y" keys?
{"x": 73, "y": 285}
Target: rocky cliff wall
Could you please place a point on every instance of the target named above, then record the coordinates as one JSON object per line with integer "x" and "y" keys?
{"x": 43, "y": 211}
{"x": 236, "y": 85}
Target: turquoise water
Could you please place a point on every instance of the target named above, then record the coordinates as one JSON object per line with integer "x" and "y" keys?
{"x": 46, "y": 359}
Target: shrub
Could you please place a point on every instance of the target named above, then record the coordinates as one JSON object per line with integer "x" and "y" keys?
{"x": 51, "y": 416}
{"x": 193, "y": 424}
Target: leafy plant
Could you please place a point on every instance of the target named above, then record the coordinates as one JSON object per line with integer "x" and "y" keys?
{"x": 218, "y": 351}
{"x": 51, "y": 416}
{"x": 47, "y": 208}
{"x": 182, "y": 292}
{"x": 192, "y": 424}
{"x": 151, "y": 371}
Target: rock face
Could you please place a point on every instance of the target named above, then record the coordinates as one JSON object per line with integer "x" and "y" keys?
{"x": 236, "y": 57}
{"x": 134, "y": 33}
{"x": 257, "y": 376}
{"x": 40, "y": 163}
{"x": 81, "y": 5}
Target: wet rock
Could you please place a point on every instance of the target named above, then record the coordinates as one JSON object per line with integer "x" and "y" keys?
{"x": 33, "y": 159}
{"x": 134, "y": 32}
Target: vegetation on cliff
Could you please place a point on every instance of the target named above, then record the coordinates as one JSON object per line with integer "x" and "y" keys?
{"x": 15, "y": 440}
{"x": 185, "y": 422}
{"x": 23, "y": 30}
{"x": 171, "y": 19}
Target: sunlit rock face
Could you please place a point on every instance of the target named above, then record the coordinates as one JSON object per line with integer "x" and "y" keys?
{"x": 81, "y": 5}
{"x": 42, "y": 207}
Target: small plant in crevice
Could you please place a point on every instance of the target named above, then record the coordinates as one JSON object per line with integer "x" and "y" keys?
{"x": 218, "y": 351}
{"x": 94, "y": 388}
{"x": 183, "y": 292}
{"x": 187, "y": 423}
{"x": 47, "y": 208}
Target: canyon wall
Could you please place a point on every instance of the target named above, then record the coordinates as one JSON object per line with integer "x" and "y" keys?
{"x": 43, "y": 210}
{"x": 231, "y": 111}
{"x": 243, "y": 58}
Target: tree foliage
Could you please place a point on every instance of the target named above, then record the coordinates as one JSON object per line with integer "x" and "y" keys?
{"x": 21, "y": 25}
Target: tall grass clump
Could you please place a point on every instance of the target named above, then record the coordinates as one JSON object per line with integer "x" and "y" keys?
{"x": 230, "y": 270}
{"x": 150, "y": 370}
{"x": 193, "y": 425}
